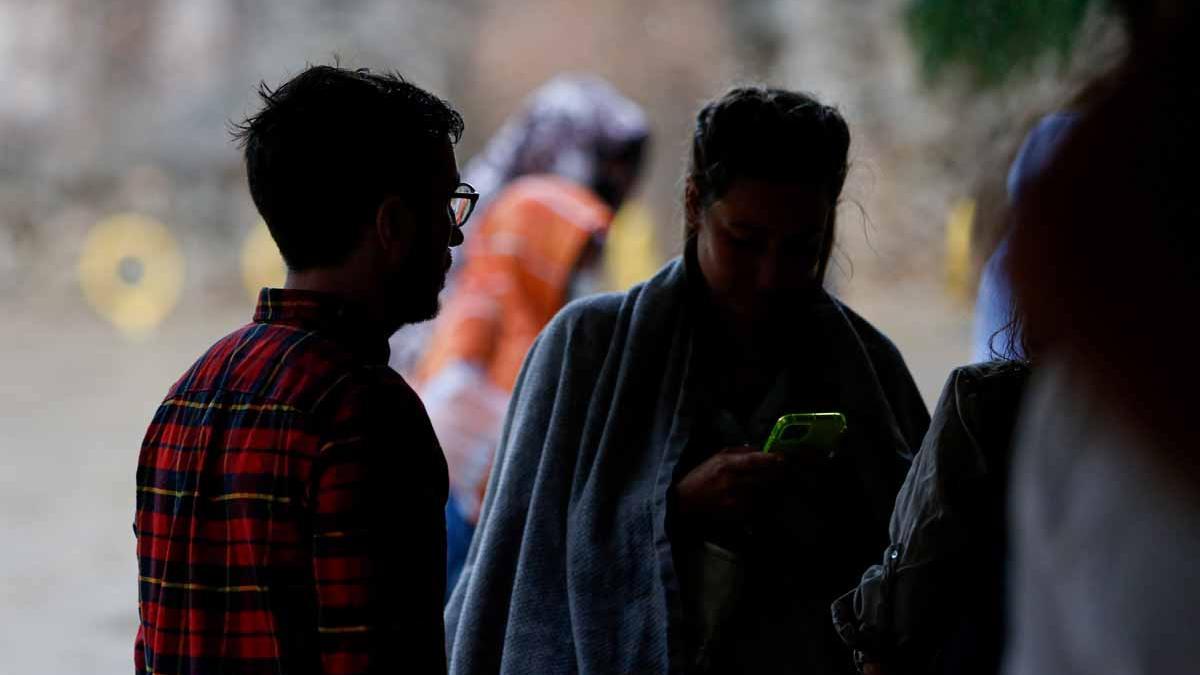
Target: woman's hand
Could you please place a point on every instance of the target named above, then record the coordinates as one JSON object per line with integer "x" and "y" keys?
{"x": 726, "y": 485}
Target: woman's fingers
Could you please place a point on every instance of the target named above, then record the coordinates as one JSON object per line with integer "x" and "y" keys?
{"x": 755, "y": 462}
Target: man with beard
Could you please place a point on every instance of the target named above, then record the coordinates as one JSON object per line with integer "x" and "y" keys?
{"x": 290, "y": 488}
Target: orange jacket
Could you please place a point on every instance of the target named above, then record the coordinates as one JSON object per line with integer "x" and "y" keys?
{"x": 519, "y": 265}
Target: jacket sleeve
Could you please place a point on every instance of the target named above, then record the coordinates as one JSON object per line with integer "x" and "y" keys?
{"x": 902, "y": 603}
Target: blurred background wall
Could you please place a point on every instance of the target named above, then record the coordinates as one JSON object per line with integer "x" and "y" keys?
{"x": 111, "y": 107}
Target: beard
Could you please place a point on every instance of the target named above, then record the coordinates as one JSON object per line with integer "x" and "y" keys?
{"x": 417, "y": 290}
{"x": 421, "y": 312}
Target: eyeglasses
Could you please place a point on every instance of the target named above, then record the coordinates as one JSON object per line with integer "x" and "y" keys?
{"x": 462, "y": 203}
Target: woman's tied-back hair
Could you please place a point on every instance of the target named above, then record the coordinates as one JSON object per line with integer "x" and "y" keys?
{"x": 774, "y": 135}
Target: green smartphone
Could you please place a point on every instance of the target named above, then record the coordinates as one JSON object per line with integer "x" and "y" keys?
{"x": 817, "y": 432}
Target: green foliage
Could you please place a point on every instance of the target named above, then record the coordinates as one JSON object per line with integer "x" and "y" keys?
{"x": 992, "y": 38}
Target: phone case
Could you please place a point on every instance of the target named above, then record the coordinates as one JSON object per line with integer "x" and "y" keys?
{"x": 801, "y": 431}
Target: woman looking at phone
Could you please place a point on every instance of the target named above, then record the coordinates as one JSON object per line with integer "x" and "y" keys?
{"x": 631, "y": 523}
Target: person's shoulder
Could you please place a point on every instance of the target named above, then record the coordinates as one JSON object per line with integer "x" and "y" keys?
{"x": 600, "y": 313}
{"x": 235, "y": 358}
{"x": 988, "y": 376}
{"x": 593, "y": 316}
{"x": 876, "y": 342}
{"x": 986, "y": 398}
{"x": 894, "y": 377}
{"x": 592, "y": 327}
{"x": 286, "y": 365}
{"x": 990, "y": 387}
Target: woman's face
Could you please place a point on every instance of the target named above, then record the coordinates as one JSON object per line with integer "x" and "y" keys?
{"x": 760, "y": 245}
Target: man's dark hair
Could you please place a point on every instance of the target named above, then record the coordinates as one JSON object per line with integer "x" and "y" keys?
{"x": 770, "y": 134}
{"x": 326, "y": 149}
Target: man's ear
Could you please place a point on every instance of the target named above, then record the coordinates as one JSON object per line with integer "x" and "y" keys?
{"x": 394, "y": 223}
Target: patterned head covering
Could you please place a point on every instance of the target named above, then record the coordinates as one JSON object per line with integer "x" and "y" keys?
{"x": 564, "y": 128}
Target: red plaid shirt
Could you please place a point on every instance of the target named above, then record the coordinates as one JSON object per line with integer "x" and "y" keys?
{"x": 290, "y": 496}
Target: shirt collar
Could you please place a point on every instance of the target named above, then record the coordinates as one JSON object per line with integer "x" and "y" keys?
{"x": 327, "y": 314}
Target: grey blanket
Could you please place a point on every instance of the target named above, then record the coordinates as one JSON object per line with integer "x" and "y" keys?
{"x": 571, "y": 568}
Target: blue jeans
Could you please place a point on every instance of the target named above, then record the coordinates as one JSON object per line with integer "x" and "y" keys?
{"x": 458, "y": 539}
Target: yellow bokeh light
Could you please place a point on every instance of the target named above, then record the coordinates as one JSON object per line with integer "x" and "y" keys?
{"x": 958, "y": 246}
{"x": 262, "y": 266}
{"x": 630, "y": 255}
{"x": 131, "y": 272}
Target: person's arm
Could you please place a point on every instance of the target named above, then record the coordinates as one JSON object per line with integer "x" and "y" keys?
{"x": 896, "y": 615}
{"x": 378, "y": 538}
{"x": 467, "y": 411}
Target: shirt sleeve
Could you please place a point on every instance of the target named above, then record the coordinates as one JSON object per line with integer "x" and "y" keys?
{"x": 379, "y": 538}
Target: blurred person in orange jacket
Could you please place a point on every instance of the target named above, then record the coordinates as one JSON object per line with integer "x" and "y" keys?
{"x": 551, "y": 180}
